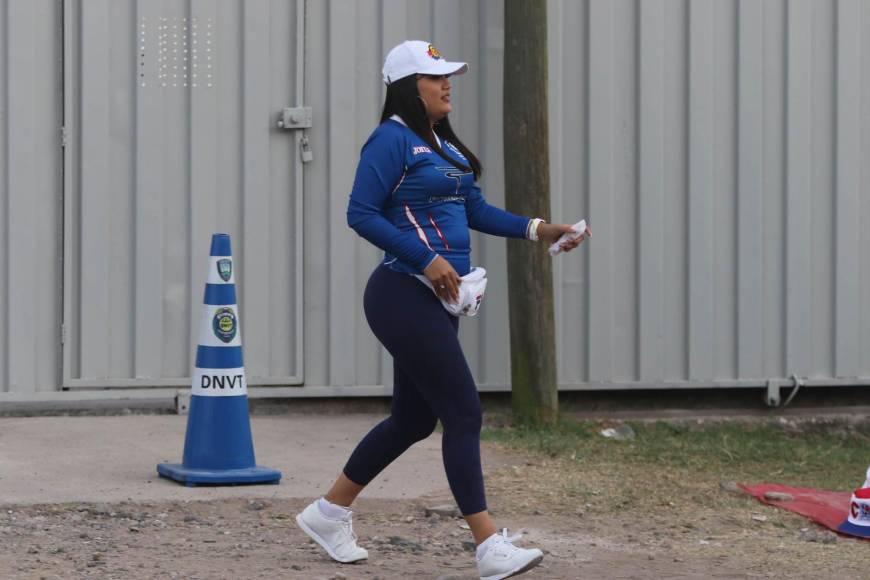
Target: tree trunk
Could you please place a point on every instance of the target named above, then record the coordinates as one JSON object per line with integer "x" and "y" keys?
{"x": 527, "y": 180}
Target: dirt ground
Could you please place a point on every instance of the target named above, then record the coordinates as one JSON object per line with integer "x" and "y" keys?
{"x": 585, "y": 532}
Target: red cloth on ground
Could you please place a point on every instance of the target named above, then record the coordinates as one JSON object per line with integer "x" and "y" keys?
{"x": 828, "y": 508}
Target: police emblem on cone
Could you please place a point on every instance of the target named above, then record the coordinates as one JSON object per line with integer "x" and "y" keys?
{"x": 218, "y": 447}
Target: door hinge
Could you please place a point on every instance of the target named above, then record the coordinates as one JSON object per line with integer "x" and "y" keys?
{"x": 63, "y": 333}
{"x": 64, "y": 134}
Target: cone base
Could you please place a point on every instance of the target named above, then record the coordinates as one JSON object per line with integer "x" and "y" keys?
{"x": 191, "y": 477}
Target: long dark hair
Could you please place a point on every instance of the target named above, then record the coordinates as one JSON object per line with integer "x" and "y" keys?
{"x": 403, "y": 99}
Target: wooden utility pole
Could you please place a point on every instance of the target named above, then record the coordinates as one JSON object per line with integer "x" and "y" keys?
{"x": 527, "y": 192}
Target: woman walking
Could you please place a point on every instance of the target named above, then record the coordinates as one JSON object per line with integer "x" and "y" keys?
{"x": 415, "y": 196}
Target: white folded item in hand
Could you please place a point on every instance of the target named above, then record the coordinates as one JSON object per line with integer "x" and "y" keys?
{"x": 579, "y": 230}
{"x": 470, "y": 293}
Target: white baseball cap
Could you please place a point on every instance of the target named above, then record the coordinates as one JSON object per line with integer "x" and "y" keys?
{"x": 418, "y": 57}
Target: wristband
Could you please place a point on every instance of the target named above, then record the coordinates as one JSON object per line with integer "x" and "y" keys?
{"x": 532, "y": 233}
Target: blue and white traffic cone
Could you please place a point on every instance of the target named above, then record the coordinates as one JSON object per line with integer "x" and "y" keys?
{"x": 218, "y": 447}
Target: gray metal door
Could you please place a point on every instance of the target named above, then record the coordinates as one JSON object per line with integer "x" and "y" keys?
{"x": 171, "y": 127}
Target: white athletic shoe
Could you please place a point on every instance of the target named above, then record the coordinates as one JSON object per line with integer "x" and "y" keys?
{"x": 502, "y": 559}
{"x": 334, "y": 535}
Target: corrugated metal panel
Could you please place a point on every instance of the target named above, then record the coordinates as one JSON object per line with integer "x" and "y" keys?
{"x": 347, "y": 43}
{"x": 720, "y": 159}
{"x": 4, "y": 206}
{"x": 173, "y": 109}
{"x": 721, "y": 150}
{"x": 30, "y": 209}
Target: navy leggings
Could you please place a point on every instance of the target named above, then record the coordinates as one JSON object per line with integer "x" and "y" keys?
{"x": 431, "y": 381}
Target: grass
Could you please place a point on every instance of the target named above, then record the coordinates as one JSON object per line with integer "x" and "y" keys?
{"x": 660, "y": 492}
{"x": 831, "y": 455}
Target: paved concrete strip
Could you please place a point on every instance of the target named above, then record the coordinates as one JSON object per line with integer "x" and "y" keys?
{"x": 111, "y": 459}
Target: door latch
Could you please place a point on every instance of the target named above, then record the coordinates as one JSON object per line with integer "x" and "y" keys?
{"x": 295, "y": 118}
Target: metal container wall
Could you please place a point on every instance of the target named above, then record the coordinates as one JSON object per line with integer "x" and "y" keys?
{"x": 347, "y": 42}
{"x": 720, "y": 149}
{"x": 172, "y": 113}
{"x": 31, "y": 215}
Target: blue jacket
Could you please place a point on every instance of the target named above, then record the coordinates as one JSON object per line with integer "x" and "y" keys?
{"x": 414, "y": 205}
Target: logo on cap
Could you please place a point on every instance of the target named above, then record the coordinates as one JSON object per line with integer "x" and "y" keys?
{"x": 433, "y": 52}
{"x": 860, "y": 511}
{"x": 225, "y": 269}
{"x": 224, "y": 324}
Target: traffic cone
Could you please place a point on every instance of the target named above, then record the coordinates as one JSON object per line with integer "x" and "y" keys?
{"x": 218, "y": 448}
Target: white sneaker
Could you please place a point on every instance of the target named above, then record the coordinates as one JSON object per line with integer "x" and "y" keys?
{"x": 334, "y": 535}
{"x": 502, "y": 559}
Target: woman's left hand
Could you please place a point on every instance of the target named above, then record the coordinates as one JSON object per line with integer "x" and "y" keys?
{"x": 549, "y": 233}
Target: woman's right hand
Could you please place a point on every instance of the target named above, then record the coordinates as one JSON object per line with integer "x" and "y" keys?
{"x": 444, "y": 279}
